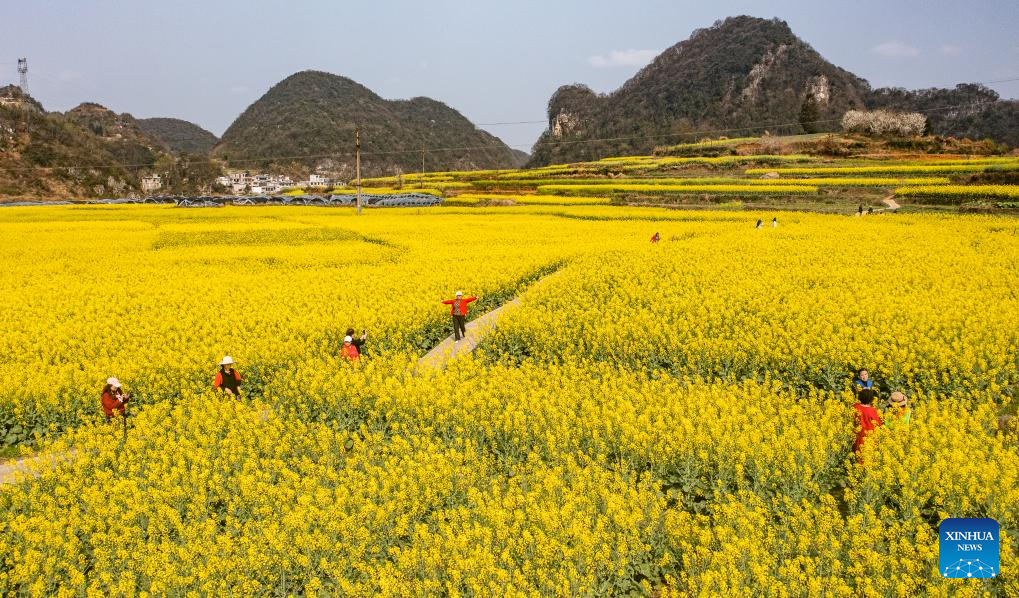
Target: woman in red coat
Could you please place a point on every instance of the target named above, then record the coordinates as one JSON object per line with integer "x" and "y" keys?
{"x": 114, "y": 399}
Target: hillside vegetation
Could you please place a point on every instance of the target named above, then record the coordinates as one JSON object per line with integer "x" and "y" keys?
{"x": 309, "y": 118}
{"x": 179, "y": 135}
{"x": 745, "y": 76}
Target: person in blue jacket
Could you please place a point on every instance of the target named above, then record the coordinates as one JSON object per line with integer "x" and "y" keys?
{"x": 862, "y": 380}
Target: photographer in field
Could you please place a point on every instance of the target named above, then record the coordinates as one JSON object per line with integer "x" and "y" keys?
{"x": 114, "y": 399}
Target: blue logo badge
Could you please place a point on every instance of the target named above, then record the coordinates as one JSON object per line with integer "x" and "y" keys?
{"x": 968, "y": 548}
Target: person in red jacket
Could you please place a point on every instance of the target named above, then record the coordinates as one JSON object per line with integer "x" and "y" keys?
{"x": 656, "y": 238}
{"x": 349, "y": 350}
{"x": 114, "y": 399}
{"x": 869, "y": 419}
{"x": 228, "y": 379}
{"x": 458, "y": 309}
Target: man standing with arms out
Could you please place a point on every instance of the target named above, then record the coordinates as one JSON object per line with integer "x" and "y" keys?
{"x": 458, "y": 309}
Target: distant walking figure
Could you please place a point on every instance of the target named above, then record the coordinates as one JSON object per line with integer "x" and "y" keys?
{"x": 774, "y": 222}
{"x": 870, "y": 210}
{"x": 458, "y": 309}
{"x": 760, "y": 224}
{"x": 860, "y": 211}
{"x": 228, "y": 379}
{"x": 656, "y": 238}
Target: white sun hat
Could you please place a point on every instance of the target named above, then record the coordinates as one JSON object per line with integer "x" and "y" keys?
{"x": 227, "y": 361}
{"x": 459, "y": 293}
{"x": 113, "y": 382}
{"x": 348, "y": 339}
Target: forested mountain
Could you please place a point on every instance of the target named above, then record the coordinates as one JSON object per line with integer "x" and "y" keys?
{"x": 179, "y": 135}
{"x": 309, "y": 119}
{"x": 742, "y": 76}
{"x": 88, "y": 152}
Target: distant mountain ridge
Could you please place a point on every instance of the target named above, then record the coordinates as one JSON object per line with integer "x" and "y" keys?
{"x": 88, "y": 151}
{"x": 108, "y": 151}
{"x": 179, "y": 135}
{"x": 732, "y": 78}
{"x": 309, "y": 119}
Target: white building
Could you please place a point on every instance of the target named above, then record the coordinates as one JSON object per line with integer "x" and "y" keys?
{"x": 255, "y": 183}
{"x": 151, "y": 183}
{"x": 318, "y": 180}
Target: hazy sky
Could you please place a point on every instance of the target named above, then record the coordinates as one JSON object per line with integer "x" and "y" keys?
{"x": 206, "y": 61}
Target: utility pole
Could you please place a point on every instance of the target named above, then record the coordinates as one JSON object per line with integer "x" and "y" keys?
{"x": 23, "y": 73}
{"x": 357, "y": 160}
{"x": 23, "y": 76}
{"x": 421, "y": 182}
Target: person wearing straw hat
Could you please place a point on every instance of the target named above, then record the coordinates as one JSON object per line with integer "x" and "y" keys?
{"x": 227, "y": 378}
{"x": 458, "y": 309}
{"x": 113, "y": 399}
{"x": 898, "y": 406}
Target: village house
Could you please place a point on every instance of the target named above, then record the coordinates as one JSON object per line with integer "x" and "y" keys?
{"x": 256, "y": 184}
{"x": 152, "y": 182}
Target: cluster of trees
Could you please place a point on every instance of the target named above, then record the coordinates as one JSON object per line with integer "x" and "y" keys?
{"x": 884, "y": 122}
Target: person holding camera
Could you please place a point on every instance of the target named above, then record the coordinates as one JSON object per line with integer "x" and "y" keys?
{"x": 114, "y": 399}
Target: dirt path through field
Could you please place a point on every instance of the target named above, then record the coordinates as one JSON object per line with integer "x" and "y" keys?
{"x": 32, "y": 465}
{"x": 448, "y": 350}
{"x": 891, "y": 203}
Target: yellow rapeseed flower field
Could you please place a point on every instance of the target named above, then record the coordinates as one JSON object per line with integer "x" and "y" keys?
{"x": 949, "y": 192}
{"x": 665, "y": 419}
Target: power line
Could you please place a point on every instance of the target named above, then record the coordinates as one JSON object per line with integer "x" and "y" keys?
{"x": 997, "y": 81}
{"x": 514, "y": 122}
{"x": 485, "y": 147}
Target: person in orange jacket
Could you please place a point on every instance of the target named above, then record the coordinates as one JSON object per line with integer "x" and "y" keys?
{"x": 349, "y": 350}
{"x": 458, "y": 309}
{"x": 228, "y": 379}
{"x": 113, "y": 399}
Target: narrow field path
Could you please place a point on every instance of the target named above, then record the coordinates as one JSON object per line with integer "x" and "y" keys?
{"x": 477, "y": 329}
{"x": 32, "y": 465}
{"x": 891, "y": 203}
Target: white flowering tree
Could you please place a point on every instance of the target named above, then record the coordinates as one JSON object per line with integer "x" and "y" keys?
{"x": 882, "y": 122}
